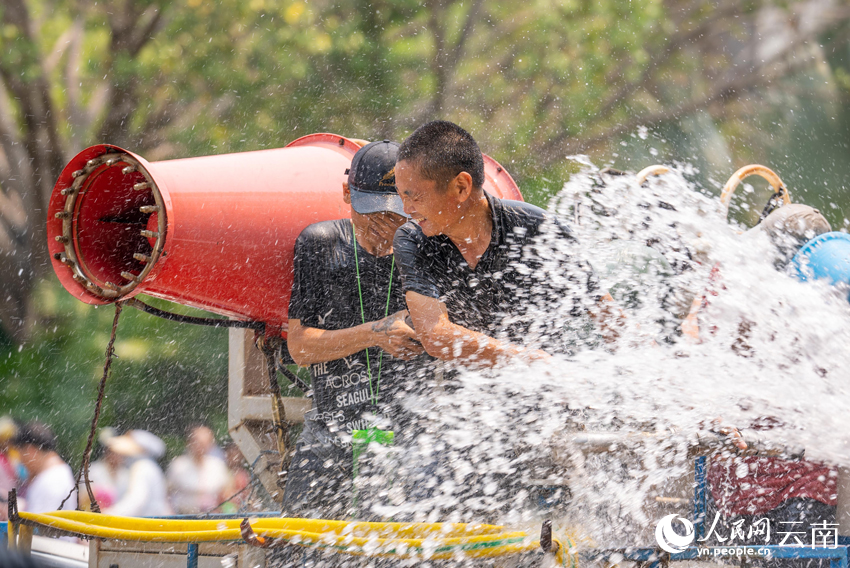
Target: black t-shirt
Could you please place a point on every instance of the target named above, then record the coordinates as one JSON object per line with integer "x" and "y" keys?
{"x": 507, "y": 277}
{"x": 325, "y": 296}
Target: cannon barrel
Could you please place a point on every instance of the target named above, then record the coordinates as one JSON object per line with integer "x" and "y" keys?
{"x": 213, "y": 232}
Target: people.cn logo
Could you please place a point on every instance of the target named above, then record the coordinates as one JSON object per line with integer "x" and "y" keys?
{"x": 670, "y": 540}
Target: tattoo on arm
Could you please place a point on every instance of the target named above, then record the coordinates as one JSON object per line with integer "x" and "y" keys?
{"x": 381, "y": 326}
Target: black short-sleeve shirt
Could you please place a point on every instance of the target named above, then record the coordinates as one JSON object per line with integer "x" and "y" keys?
{"x": 506, "y": 277}
{"x": 325, "y": 296}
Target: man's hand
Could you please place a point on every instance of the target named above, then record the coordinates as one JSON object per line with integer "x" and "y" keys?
{"x": 395, "y": 336}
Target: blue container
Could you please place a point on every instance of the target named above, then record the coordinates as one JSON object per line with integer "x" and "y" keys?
{"x": 826, "y": 256}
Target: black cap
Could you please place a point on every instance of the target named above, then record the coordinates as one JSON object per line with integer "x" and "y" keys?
{"x": 371, "y": 179}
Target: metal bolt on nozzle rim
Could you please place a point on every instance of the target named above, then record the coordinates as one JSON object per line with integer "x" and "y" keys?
{"x": 60, "y": 256}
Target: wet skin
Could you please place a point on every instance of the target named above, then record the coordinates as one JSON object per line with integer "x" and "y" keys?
{"x": 428, "y": 203}
{"x": 456, "y": 209}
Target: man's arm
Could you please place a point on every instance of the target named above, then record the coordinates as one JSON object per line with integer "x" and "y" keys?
{"x": 448, "y": 341}
{"x": 309, "y": 345}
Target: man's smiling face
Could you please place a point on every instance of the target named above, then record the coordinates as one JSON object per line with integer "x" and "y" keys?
{"x": 429, "y": 205}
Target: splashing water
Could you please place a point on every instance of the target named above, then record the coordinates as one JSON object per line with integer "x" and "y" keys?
{"x": 511, "y": 445}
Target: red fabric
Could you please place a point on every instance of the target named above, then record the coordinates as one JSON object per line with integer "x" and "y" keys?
{"x": 753, "y": 485}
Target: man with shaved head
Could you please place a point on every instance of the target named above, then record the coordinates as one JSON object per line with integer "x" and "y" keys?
{"x": 464, "y": 255}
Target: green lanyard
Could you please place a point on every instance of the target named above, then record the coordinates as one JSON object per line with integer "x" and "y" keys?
{"x": 372, "y": 393}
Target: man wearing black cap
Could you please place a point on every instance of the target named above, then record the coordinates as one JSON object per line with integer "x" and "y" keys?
{"x": 347, "y": 322}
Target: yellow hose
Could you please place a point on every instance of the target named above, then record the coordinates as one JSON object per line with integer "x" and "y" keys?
{"x": 356, "y": 528}
{"x": 401, "y": 540}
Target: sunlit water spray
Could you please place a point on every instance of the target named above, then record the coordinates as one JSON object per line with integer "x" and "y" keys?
{"x": 501, "y": 446}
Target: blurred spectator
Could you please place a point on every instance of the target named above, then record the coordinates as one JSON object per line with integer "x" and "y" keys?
{"x": 235, "y": 490}
{"x": 145, "y": 494}
{"x": 109, "y": 474}
{"x": 8, "y": 469}
{"x": 196, "y": 479}
{"x": 50, "y": 478}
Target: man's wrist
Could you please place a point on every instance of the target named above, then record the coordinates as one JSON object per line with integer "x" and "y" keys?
{"x": 376, "y": 333}
{"x": 381, "y": 326}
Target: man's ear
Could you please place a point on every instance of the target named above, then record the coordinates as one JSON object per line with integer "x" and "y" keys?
{"x": 462, "y": 185}
{"x": 346, "y": 193}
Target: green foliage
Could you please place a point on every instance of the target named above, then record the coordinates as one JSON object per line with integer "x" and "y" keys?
{"x": 165, "y": 375}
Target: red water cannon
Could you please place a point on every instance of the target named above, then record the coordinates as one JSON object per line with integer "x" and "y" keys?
{"x": 214, "y": 232}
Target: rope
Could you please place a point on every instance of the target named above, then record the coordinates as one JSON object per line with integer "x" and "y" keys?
{"x": 773, "y": 203}
{"x": 294, "y": 379}
{"x": 251, "y": 485}
{"x": 254, "y": 484}
{"x": 279, "y": 422}
{"x": 84, "y": 466}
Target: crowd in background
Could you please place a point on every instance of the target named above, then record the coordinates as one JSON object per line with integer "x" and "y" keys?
{"x": 127, "y": 479}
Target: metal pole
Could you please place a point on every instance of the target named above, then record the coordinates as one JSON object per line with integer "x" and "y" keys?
{"x": 699, "y": 496}
{"x": 192, "y": 556}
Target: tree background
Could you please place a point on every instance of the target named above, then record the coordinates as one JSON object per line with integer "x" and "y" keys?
{"x": 713, "y": 83}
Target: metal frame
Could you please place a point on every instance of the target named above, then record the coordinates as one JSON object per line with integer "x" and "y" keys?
{"x": 249, "y": 409}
